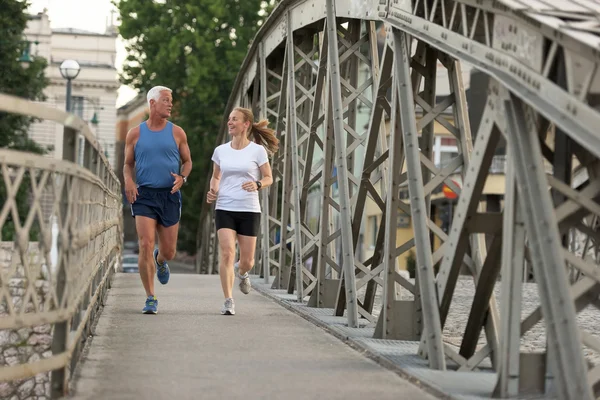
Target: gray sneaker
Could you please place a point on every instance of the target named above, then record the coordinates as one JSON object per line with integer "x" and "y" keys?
{"x": 228, "y": 307}
{"x": 245, "y": 284}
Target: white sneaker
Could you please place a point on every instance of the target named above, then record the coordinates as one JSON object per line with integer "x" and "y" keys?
{"x": 245, "y": 284}
{"x": 228, "y": 307}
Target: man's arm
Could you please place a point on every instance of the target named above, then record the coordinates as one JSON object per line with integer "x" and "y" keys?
{"x": 184, "y": 151}
{"x": 129, "y": 164}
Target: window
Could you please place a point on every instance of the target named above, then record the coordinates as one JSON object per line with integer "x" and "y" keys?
{"x": 26, "y": 54}
{"x": 403, "y": 194}
{"x": 81, "y": 149}
{"x": 403, "y": 219}
{"x": 446, "y": 157}
{"x": 448, "y": 141}
{"x": 374, "y": 230}
{"x": 77, "y": 106}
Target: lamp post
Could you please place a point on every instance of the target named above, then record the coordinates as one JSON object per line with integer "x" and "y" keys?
{"x": 69, "y": 69}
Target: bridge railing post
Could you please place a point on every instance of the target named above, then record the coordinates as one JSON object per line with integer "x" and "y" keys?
{"x": 60, "y": 337}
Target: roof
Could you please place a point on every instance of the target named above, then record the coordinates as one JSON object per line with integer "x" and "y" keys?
{"x": 135, "y": 102}
{"x": 74, "y": 31}
{"x": 86, "y": 64}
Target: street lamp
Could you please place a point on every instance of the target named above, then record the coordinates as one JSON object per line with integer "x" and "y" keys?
{"x": 25, "y": 58}
{"x": 69, "y": 69}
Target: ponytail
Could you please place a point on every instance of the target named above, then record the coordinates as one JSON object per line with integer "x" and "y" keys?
{"x": 260, "y": 131}
{"x": 265, "y": 136}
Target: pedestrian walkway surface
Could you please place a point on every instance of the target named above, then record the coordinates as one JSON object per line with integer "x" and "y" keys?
{"x": 190, "y": 351}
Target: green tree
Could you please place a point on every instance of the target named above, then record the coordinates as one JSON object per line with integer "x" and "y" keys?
{"x": 195, "y": 47}
{"x": 22, "y": 75}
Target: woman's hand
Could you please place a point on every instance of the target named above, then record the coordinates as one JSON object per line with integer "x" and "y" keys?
{"x": 250, "y": 186}
{"x": 211, "y": 196}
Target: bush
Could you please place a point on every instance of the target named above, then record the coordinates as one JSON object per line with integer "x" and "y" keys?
{"x": 411, "y": 264}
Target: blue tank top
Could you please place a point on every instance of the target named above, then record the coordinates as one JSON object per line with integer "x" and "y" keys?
{"x": 156, "y": 156}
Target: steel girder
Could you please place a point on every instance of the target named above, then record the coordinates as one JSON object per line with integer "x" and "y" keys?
{"x": 353, "y": 96}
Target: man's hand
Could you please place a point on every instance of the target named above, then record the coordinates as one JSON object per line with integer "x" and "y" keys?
{"x": 250, "y": 186}
{"x": 131, "y": 191}
{"x": 177, "y": 184}
{"x": 211, "y": 196}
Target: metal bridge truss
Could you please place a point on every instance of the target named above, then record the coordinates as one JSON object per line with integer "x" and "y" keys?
{"x": 316, "y": 69}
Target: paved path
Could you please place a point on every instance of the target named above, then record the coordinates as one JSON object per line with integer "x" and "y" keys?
{"x": 190, "y": 351}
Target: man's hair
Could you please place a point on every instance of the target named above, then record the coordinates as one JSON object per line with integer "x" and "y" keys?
{"x": 154, "y": 93}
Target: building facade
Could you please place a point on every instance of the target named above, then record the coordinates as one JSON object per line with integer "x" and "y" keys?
{"x": 94, "y": 91}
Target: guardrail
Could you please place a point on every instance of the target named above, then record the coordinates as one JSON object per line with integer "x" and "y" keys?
{"x": 61, "y": 225}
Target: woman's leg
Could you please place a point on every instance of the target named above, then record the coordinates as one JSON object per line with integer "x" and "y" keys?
{"x": 227, "y": 254}
{"x": 247, "y": 248}
{"x": 247, "y": 234}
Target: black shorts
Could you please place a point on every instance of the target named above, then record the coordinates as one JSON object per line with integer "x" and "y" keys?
{"x": 158, "y": 204}
{"x": 244, "y": 223}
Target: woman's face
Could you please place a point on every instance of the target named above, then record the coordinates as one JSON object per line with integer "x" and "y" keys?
{"x": 236, "y": 124}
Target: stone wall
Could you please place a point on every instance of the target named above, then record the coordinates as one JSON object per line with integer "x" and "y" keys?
{"x": 26, "y": 345}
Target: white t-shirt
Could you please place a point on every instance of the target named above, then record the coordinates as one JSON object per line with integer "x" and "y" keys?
{"x": 237, "y": 167}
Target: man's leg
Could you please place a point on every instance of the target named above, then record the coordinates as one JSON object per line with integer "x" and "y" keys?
{"x": 146, "y": 228}
{"x": 167, "y": 242}
{"x": 168, "y": 228}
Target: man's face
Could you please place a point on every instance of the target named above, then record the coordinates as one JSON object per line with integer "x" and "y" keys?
{"x": 162, "y": 106}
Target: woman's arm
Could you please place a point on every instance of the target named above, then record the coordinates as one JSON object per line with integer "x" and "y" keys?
{"x": 215, "y": 181}
{"x": 265, "y": 181}
{"x": 267, "y": 175}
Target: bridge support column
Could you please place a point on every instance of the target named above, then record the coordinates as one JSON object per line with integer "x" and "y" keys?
{"x": 548, "y": 257}
{"x": 431, "y": 316}
{"x": 337, "y": 114}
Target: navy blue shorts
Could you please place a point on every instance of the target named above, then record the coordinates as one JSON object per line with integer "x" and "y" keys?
{"x": 158, "y": 204}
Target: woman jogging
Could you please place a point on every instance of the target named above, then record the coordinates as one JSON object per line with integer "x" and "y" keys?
{"x": 241, "y": 168}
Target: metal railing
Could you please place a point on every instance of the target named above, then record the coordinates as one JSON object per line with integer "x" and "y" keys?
{"x": 61, "y": 224}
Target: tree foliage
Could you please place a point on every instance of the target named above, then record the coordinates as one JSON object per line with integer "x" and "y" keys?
{"x": 22, "y": 79}
{"x": 25, "y": 80}
{"x": 194, "y": 47}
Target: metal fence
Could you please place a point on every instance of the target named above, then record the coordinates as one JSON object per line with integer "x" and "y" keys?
{"x": 341, "y": 82}
{"x": 61, "y": 225}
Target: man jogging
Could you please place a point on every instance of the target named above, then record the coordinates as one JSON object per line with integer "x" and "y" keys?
{"x": 154, "y": 150}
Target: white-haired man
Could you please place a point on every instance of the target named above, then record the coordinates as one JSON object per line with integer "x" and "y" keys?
{"x": 154, "y": 150}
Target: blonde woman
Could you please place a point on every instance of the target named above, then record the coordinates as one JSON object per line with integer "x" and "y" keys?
{"x": 240, "y": 169}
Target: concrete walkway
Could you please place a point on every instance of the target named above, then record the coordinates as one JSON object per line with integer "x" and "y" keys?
{"x": 190, "y": 351}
